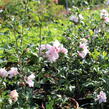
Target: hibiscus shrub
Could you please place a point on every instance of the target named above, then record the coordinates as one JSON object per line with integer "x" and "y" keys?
{"x": 51, "y": 63}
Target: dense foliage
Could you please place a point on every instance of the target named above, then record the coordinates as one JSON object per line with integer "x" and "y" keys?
{"x": 79, "y": 3}
{"x": 53, "y": 59}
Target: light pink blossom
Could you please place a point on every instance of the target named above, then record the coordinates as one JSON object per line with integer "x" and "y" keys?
{"x": 52, "y": 54}
{"x": 74, "y": 19}
{"x": 31, "y": 77}
{"x": 84, "y": 50}
{"x": 30, "y": 81}
{"x": 106, "y": 19}
{"x": 59, "y": 47}
{"x": 3, "y": 72}
{"x": 13, "y": 72}
{"x": 101, "y": 97}
{"x": 83, "y": 45}
{"x": 82, "y": 54}
{"x": 43, "y": 48}
{"x": 14, "y": 95}
{"x": 63, "y": 50}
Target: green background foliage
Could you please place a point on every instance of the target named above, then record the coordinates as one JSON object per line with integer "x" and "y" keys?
{"x": 26, "y": 24}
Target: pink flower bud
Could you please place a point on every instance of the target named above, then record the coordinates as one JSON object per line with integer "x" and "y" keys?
{"x": 30, "y": 81}
{"x": 85, "y": 51}
{"x": 101, "y": 97}
{"x": 14, "y": 95}
{"x": 3, "y": 72}
{"x": 13, "y": 72}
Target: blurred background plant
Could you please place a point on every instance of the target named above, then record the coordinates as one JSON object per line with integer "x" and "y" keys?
{"x": 26, "y": 25}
